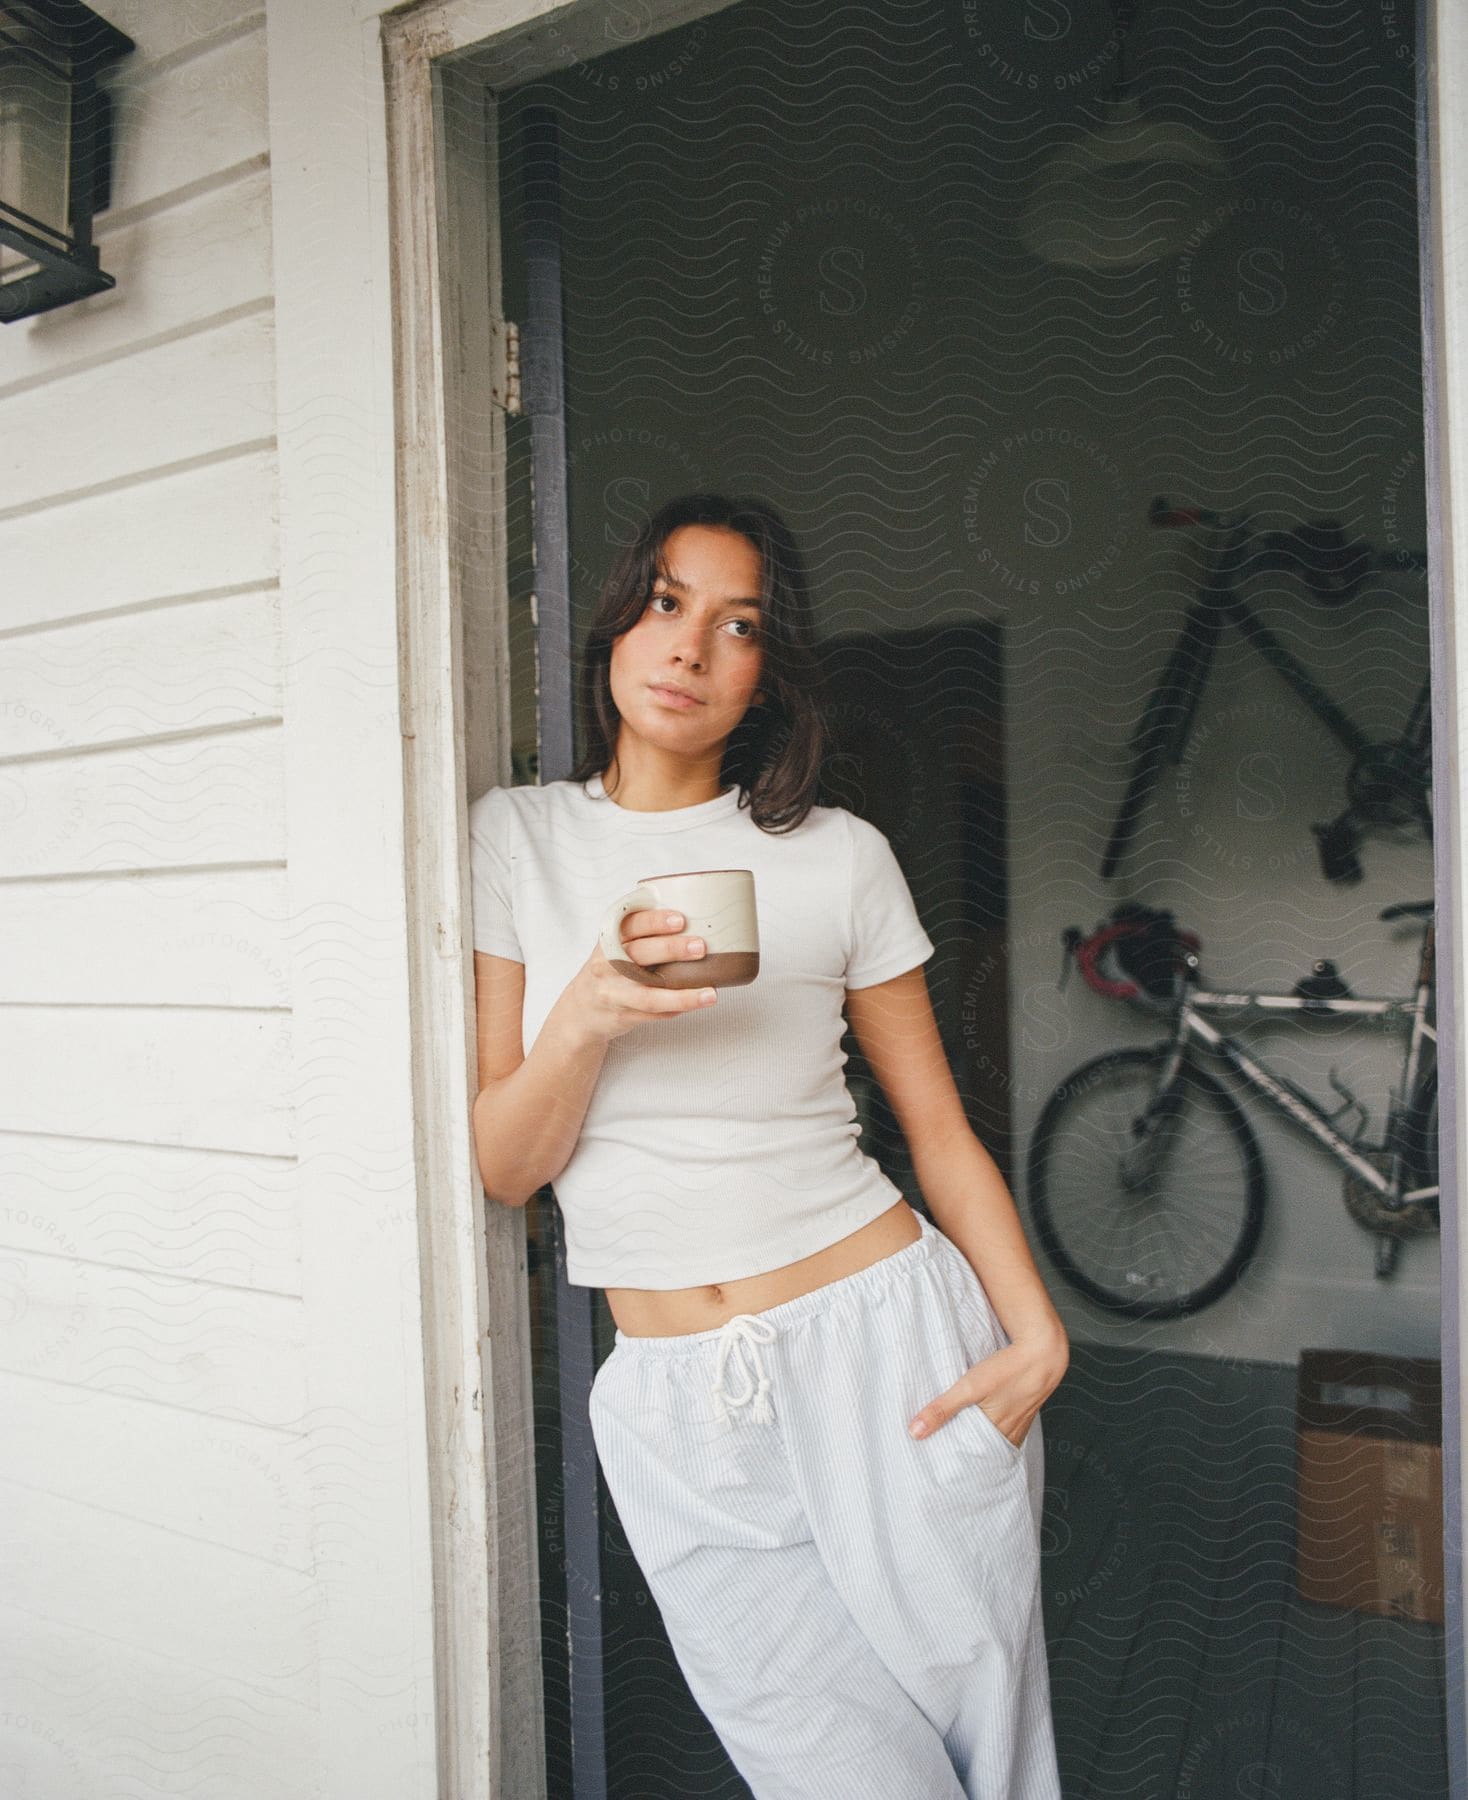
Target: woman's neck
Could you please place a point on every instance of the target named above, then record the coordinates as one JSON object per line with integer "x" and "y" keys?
{"x": 659, "y": 784}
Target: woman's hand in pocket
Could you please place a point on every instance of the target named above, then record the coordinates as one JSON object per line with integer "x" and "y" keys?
{"x": 1010, "y": 1385}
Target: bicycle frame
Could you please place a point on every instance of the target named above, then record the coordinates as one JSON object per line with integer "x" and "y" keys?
{"x": 1192, "y": 1026}
{"x": 1386, "y": 774}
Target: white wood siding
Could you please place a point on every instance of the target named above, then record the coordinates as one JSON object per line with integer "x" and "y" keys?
{"x": 212, "y": 1530}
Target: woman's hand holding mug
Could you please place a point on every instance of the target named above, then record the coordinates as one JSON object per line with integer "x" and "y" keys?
{"x": 644, "y": 967}
{"x": 612, "y": 1003}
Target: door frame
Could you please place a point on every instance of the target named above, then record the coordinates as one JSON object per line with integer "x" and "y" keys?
{"x": 1441, "y": 52}
{"x": 440, "y": 61}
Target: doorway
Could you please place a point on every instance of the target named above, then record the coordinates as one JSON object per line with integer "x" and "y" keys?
{"x": 865, "y": 308}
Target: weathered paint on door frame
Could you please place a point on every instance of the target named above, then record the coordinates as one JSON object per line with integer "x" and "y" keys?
{"x": 443, "y": 63}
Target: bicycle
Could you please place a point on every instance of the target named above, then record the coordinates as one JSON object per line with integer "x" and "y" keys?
{"x": 1145, "y": 1179}
{"x": 1387, "y": 784}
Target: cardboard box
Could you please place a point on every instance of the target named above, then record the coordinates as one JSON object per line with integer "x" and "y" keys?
{"x": 1369, "y": 1521}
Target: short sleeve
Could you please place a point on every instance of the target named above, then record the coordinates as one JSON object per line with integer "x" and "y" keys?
{"x": 886, "y": 936}
{"x": 490, "y": 819}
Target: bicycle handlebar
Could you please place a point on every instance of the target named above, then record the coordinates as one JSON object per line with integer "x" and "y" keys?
{"x": 1318, "y": 544}
{"x": 1087, "y": 950}
{"x": 1162, "y": 517}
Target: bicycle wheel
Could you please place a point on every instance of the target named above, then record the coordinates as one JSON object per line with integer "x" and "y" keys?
{"x": 1149, "y": 1205}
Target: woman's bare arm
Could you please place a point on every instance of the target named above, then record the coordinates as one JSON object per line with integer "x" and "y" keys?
{"x": 966, "y": 1194}
{"x": 529, "y": 1110}
{"x": 973, "y": 1206}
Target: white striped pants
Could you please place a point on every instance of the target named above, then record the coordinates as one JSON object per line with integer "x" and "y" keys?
{"x": 856, "y": 1611}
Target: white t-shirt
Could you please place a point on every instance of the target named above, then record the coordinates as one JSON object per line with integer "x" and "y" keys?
{"x": 722, "y": 1143}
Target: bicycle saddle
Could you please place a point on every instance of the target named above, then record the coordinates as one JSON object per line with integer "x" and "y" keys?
{"x": 1417, "y": 909}
{"x": 1322, "y": 983}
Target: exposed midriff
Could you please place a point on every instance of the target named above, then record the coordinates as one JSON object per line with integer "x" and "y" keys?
{"x": 674, "y": 1312}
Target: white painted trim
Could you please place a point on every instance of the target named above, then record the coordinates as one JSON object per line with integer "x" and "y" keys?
{"x": 444, "y": 258}
{"x": 517, "y": 40}
{"x": 372, "y": 1608}
{"x": 1446, "y": 319}
{"x": 451, "y": 507}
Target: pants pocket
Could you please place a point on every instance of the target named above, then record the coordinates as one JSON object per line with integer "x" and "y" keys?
{"x": 601, "y": 1396}
{"x": 981, "y": 1334}
{"x": 991, "y": 1431}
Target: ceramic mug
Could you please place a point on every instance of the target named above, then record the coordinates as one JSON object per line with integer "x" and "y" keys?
{"x": 717, "y": 906}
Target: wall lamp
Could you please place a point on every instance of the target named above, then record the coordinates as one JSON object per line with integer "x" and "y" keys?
{"x": 55, "y": 152}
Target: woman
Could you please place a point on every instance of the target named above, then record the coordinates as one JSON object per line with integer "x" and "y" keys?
{"x": 855, "y": 1607}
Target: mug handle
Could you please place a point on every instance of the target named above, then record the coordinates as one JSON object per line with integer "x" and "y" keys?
{"x": 612, "y": 947}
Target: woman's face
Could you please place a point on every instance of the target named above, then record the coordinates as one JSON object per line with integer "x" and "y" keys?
{"x": 701, "y": 633}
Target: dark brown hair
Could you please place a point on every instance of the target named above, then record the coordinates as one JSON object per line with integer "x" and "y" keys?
{"x": 774, "y": 753}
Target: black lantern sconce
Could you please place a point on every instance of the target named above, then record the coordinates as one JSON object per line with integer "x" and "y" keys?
{"x": 55, "y": 152}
